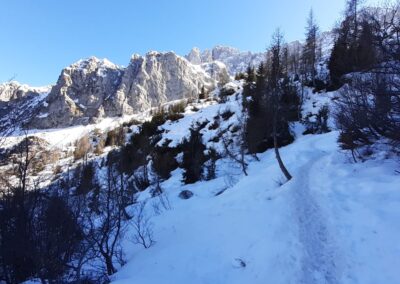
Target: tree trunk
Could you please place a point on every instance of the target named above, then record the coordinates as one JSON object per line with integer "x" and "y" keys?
{"x": 280, "y": 162}
{"x": 109, "y": 265}
{"x": 277, "y": 154}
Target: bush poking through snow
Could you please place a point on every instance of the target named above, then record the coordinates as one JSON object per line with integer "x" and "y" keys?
{"x": 227, "y": 91}
{"x": 317, "y": 124}
{"x": 210, "y": 165}
{"x": 163, "y": 160}
{"x": 238, "y": 263}
{"x": 185, "y": 194}
{"x": 227, "y": 114}
{"x": 177, "y": 108}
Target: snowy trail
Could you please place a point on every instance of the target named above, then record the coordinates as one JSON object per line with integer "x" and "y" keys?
{"x": 319, "y": 263}
{"x": 326, "y": 226}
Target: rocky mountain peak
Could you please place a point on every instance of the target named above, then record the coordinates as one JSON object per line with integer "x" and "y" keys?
{"x": 14, "y": 90}
{"x": 93, "y": 88}
{"x": 194, "y": 56}
{"x": 235, "y": 60}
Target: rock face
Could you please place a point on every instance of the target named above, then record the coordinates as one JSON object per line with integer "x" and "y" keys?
{"x": 92, "y": 89}
{"x": 158, "y": 78}
{"x": 235, "y": 60}
{"x": 217, "y": 71}
{"x": 194, "y": 56}
{"x": 80, "y": 93}
{"x": 13, "y": 91}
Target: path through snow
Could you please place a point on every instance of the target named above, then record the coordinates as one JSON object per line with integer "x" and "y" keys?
{"x": 327, "y": 225}
{"x": 319, "y": 262}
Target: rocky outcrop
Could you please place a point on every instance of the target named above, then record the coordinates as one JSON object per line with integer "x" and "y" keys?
{"x": 13, "y": 91}
{"x": 158, "y": 78}
{"x": 235, "y": 60}
{"x": 217, "y": 71}
{"x": 92, "y": 89}
{"x": 194, "y": 56}
{"x": 80, "y": 94}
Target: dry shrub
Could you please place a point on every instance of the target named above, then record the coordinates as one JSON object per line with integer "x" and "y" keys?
{"x": 83, "y": 147}
{"x": 115, "y": 137}
{"x": 99, "y": 148}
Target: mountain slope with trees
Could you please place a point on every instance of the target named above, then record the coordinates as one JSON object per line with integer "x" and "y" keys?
{"x": 287, "y": 174}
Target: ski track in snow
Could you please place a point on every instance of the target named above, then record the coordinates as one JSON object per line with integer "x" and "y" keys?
{"x": 319, "y": 263}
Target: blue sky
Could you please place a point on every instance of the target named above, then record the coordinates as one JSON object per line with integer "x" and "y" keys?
{"x": 40, "y": 37}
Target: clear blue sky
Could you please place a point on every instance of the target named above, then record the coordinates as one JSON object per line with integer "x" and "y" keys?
{"x": 40, "y": 37}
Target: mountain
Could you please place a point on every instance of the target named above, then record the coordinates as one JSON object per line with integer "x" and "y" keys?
{"x": 235, "y": 60}
{"x": 14, "y": 90}
{"x": 93, "y": 88}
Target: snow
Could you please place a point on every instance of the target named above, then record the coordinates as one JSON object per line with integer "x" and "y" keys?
{"x": 43, "y": 115}
{"x": 177, "y": 131}
{"x": 334, "y": 222}
{"x": 65, "y": 137}
{"x": 235, "y": 60}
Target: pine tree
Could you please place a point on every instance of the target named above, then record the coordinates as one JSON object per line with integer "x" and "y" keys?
{"x": 256, "y": 132}
{"x": 211, "y": 167}
{"x": 202, "y": 94}
{"x": 310, "y": 48}
{"x": 346, "y": 50}
{"x": 193, "y": 157}
{"x": 341, "y": 62}
{"x": 251, "y": 75}
{"x": 276, "y": 88}
{"x": 366, "y": 53}
{"x": 163, "y": 161}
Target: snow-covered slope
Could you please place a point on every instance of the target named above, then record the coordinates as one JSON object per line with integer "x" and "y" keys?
{"x": 334, "y": 222}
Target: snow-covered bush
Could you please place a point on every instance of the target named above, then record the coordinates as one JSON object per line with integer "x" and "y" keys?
{"x": 318, "y": 123}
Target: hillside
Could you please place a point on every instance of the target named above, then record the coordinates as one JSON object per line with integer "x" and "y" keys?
{"x": 221, "y": 166}
{"x": 327, "y": 225}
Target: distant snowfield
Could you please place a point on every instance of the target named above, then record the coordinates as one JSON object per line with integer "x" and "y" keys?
{"x": 334, "y": 222}
{"x": 62, "y": 137}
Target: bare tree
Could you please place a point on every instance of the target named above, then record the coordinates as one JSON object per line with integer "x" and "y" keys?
{"x": 235, "y": 146}
{"x": 367, "y": 111}
{"x": 108, "y": 225}
{"x": 143, "y": 227}
{"x": 38, "y": 236}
